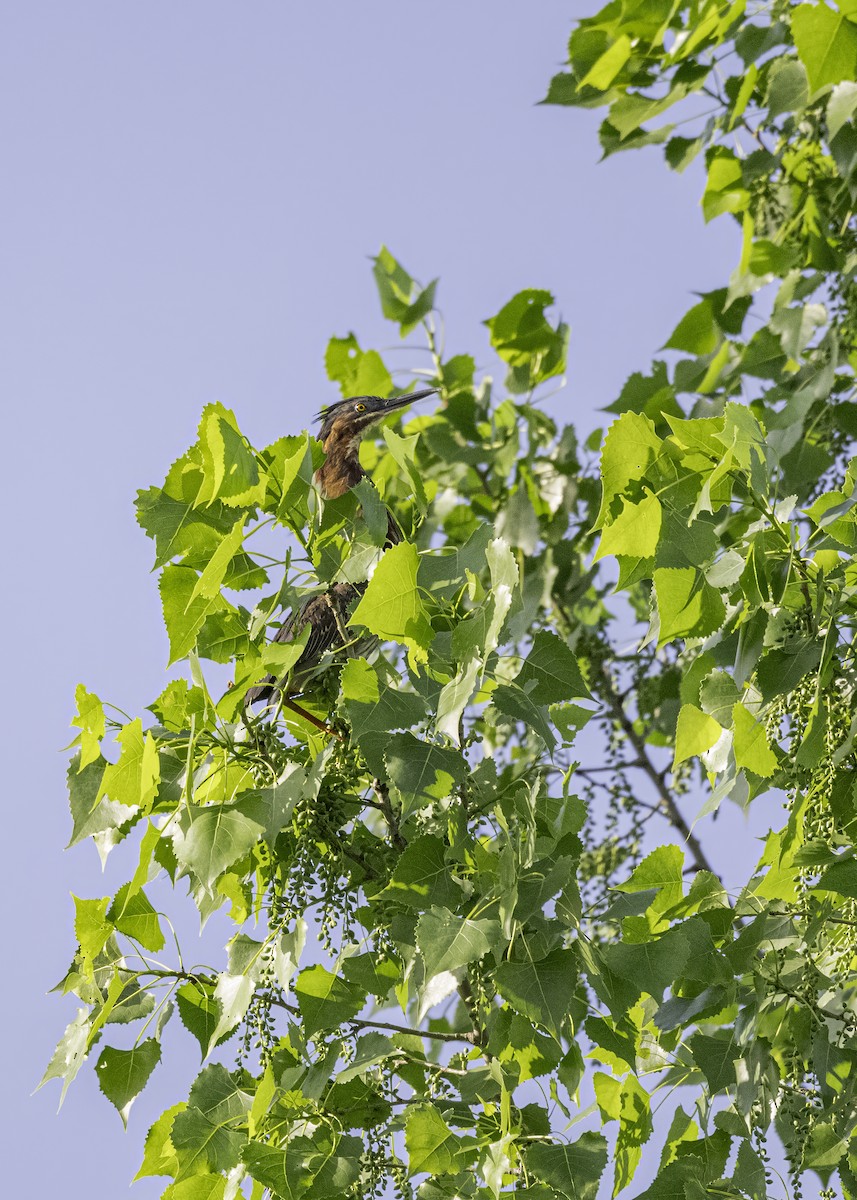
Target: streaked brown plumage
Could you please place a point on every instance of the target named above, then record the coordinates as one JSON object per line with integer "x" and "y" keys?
{"x": 342, "y": 427}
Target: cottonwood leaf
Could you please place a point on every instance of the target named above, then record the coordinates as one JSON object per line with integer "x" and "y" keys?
{"x": 208, "y": 1133}
{"x": 402, "y": 300}
{"x": 454, "y": 698}
{"x": 430, "y": 1143}
{"x": 695, "y": 733}
{"x": 326, "y": 1000}
{"x": 233, "y": 994}
{"x": 574, "y": 1168}
{"x": 687, "y": 605}
{"x": 159, "y": 1156}
{"x": 200, "y": 1013}
{"x": 634, "y": 531}
{"x": 314, "y": 1168}
{"x": 660, "y": 871}
{"x": 89, "y": 719}
{"x": 199, "y": 1187}
{"x": 826, "y": 42}
{"x": 422, "y": 771}
{"x": 751, "y": 743}
{"x": 392, "y": 606}
{"x": 184, "y": 617}
{"x": 209, "y": 838}
{"x": 133, "y": 780}
{"x": 133, "y": 914}
{"x": 122, "y": 1074}
{"x": 631, "y": 446}
{"x": 375, "y": 709}
{"x": 550, "y": 672}
{"x": 541, "y": 990}
{"x": 422, "y": 877}
{"x": 230, "y": 471}
{"x": 447, "y": 942}
{"x": 93, "y": 817}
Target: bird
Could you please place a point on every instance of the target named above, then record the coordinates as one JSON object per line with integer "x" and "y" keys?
{"x": 343, "y": 426}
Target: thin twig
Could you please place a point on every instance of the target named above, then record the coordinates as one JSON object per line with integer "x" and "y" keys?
{"x": 670, "y": 808}
{"x": 359, "y": 1023}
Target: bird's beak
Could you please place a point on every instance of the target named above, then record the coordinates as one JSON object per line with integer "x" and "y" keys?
{"x": 401, "y": 401}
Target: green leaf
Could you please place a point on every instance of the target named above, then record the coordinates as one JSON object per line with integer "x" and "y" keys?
{"x": 358, "y": 372}
{"x": 695, "y": 733}
{"x": 404, "y": 453}
{"x": 230, "y": 472}
{"x": 89, "y": 719}
{"x": 541, "y": 990}
{"x": 132, "y": 913}
{"x": 91, "y": 926}
{"x": 402, "y": 300}
{"x": 70, "y": 1052}
{"x": 660, "y": 871}
{"x": 325, "y": 1000}
{"x": 133, "y": 780}
{"x": 724, "y": 188}
{"x": 716, "y": 1057}
{"x": 200, "y": 1013}
{"x": 649, "y": 967}
{"x": 687, "y": 605}
{"x": 751, "y": 744}
{"x": 100, "y": 819}
{"x": 214, "y": 572}
{"x": 518, "y": 1044}
{"x": 209, "y": 838}
{"x": 122, "y": 1074}
{"x": 375, "y": 709}
{"x": 524, "y": 338}
{"x": 208, "y": 1134}
{"x": 602, "y": 73}
{"x": 198, "y": 1187}
{"x": 184, "y": 615}
{"x": 447, "y": 942}
{"x": 826, "y": 42}
{"x": 430, "y": 1143}
{"x": 392, "y": 606}
{"x": 550, "y": 672}
{"x": 635, "y": 1129}
{"x": 422, "y": 878}
{"x": 311, "y": 1168}
{"x": 631, "y": 446}
{"x": 455, "y": 697}
{"x": 159, "y": 1157}
{"x": 788, "y": 88}
{"x": 841, "y": 878}
{"x": 422, "y": 771}
{"x": 634, "y": 531}
{"x": 573, "y": 1169}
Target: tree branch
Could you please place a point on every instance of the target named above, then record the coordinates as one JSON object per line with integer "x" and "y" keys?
{"x": 667, "y": 801}
{"x": 359, "y": 1023}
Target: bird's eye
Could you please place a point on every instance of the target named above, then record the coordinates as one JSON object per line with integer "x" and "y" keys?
{"x": 359, "y": 407}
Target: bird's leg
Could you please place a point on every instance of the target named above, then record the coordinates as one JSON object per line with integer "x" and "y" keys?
{"x": 308, "y": 716}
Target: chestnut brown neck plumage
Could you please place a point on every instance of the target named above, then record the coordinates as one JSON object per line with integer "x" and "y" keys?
{"x": 341, "y": 470}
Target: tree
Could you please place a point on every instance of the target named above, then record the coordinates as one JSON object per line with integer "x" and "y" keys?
{"x": 491, "y": 837}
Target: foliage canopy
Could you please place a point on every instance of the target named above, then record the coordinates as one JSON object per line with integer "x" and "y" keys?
{"x": 504, "y": 931}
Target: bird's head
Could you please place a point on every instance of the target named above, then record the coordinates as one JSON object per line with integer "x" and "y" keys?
{"x": 351, "y": 418}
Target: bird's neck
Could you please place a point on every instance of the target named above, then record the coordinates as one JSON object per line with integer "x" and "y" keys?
{"x": 341, "y": 470}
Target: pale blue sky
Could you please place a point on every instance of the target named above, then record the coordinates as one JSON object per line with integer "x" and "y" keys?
{"x": 190, "y": 194}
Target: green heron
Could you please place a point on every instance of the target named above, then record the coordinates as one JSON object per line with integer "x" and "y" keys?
{"x": 342, "y": 427}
